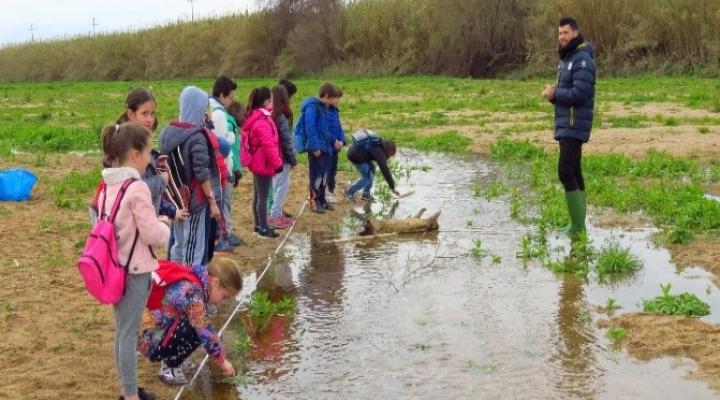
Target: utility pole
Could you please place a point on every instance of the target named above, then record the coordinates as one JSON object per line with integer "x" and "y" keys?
{"x": 32, "y": 33}
{"x": 94, "y": 25}
{"x": 192, "y": 9}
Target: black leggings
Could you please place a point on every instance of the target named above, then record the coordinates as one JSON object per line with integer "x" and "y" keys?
{"x": 178, "y": 343}
{"x": 261, "y": 193}
{"x": 569, "y": 165}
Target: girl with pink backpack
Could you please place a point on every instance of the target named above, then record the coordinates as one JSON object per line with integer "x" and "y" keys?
{"x": 137, "y": 228}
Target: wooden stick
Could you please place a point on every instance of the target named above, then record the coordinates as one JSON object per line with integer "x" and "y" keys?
{"x": 402, "y": 196}
{"x": 359, "y": 238}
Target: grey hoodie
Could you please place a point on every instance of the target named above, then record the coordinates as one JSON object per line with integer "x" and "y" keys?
{"x": 196, "y": 152}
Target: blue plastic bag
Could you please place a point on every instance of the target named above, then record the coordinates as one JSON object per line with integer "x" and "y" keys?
{"x": 16, "y": 184}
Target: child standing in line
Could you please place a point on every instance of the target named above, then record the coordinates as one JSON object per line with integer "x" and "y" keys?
{"x": 223, "y": 95}
{"x": 140, "y": 106}
{"x": 236, "y": 114}
{"x": 319, "y": 142}
{"x": 188, "y": 142}
{"x": 261, "y": 154}
{"x": 127, "y": 149}
{"x": 282, "y": 115}
{"x": 336, "y": 131}
{"x": 180, "y": 324}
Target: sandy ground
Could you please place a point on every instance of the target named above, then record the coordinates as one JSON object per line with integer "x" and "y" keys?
{"x": 57, "y": 342}
{"x": 655, "y": 336}
{"x": 681, "y": 140}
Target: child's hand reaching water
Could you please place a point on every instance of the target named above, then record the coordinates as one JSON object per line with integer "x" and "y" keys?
{"x": 227, "y": 369}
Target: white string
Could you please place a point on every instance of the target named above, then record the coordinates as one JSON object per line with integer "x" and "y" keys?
{"x": 240, "y": 300}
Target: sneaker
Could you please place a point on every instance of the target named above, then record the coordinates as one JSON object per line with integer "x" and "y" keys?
{"x": 234, "y": 240}
{"x": 288, "y": 215}
{"x": 267, "y": 233}
{"x": 367, "y": 197}
{"x": 171, "y": 376}
{"x": 329, "y": 206}
{"x": 224, "y": 246}
{"x": 143, "y": 395}
{"x": 330, "y": 197}
{"x": 188, "y": 365}
{"x": 279, "y": 222}
{"x": 319, "y": 209}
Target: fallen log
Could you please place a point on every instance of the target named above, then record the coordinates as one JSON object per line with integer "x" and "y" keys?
{"x": 415, "y": 224}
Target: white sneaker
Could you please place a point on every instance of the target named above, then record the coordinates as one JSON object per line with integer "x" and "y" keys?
{"x": 188, "y": 365}
{"x": 171, "y": 376}
{"x": 330, "y": 197}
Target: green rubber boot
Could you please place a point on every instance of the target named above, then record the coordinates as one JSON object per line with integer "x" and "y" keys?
{"x": 577, "y": 208}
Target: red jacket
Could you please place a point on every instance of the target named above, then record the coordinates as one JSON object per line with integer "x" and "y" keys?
{"x": 260, "y": 135}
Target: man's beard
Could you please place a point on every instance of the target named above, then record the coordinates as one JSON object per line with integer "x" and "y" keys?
{"x": 564, "y": 51}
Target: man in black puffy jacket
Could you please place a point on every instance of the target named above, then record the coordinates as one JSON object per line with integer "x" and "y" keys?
{"x": 574, "y": 99}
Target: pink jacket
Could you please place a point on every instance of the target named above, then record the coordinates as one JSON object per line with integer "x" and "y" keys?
{"x": 260, "y": 132}
{"x": 136, "y": 213}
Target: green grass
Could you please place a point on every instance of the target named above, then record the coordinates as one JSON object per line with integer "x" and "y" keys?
{"x": 64, "y": 116}
{"x": 611, "y": 306}
{"x": 667, "y": 189}
{"x": 616, "y": 334}
{"x": 614, "y": 259}
{"x": 628, "y": 122}
{"x": 74, "y": 190}
{"x": 261, "y": 309}
{"x": 477, "y": 250}
{"x": 686, "y": 304}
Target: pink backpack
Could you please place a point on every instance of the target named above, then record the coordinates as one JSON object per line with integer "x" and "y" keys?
{"x": 99, "y": 266}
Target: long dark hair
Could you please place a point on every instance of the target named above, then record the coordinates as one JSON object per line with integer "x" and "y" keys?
{"x": 281, "y": 104}
{"x": 134, "y": 100}
{"x": 258, "y": 97}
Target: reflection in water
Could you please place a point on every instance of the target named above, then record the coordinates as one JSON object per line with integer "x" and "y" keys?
{"x": 322, "y": 281}
{"x": 574, "y": 347}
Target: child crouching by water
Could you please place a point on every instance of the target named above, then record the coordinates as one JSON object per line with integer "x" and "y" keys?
{"x": 179, "y": 323}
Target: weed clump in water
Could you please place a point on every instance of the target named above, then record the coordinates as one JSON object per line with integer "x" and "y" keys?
{"x": 614, "y": 259}
{"x": 261, "y": 310}
{"x": 686, "y": 304}
{"x": 616, "y": 334}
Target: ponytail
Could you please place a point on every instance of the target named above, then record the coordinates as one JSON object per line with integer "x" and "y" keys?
{"x": 258, "y": 97}
{"x": 118, "y": 140}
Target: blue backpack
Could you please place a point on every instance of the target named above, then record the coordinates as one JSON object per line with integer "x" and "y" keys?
{"x": 366, "y": 139}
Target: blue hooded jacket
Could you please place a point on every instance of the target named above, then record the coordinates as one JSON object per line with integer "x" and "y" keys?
{"x": 317, "y": 132}
{"x": 575, "y": 94}
{"x": 334, "y": 125}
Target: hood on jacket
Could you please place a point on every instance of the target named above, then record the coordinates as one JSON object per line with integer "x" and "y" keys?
{"x": 254, "y": 116}
{"x": 193, "y": 105}
{"x": 311, "y": 101}
{"x": 112, "y": 176}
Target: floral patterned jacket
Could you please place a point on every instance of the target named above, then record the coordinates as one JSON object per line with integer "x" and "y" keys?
{"x": 182, "y": 299}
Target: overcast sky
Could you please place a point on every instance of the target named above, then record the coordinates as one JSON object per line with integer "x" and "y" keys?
{"x": 59, "y": 18}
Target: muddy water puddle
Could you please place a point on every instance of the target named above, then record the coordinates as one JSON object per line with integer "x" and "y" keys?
{"x": 416, "y": 318}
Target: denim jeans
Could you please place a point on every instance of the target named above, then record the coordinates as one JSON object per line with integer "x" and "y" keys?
{"x": 281, "y": 184}
{"x": 367, "y": 177}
